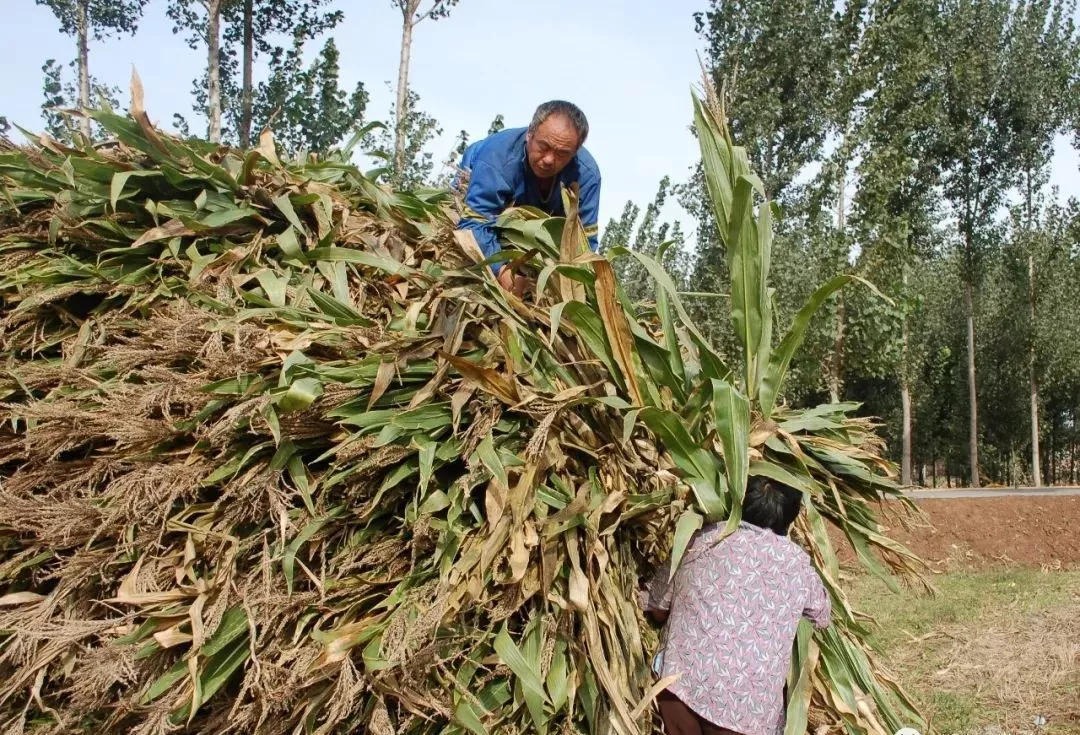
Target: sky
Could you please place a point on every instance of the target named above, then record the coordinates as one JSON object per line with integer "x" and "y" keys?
{"x": 629, "y": 64}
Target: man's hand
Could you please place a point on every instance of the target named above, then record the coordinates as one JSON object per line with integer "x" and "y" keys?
{"x": 513, "y": 283}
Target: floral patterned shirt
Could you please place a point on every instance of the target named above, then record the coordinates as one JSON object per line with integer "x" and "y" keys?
{"x": 734, "y": 607}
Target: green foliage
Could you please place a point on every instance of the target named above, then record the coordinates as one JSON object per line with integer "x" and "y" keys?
{"x": 935, "y": 119}
{"x": 305, "y": 108}
{"x": 648, "y": 237}
{"x": 298, "y": 21}
{"x": 61, "y": 92}
{"x": 104, "y": 17}
{"x": 779, "y": 61}
{"x": 420, "y": 129}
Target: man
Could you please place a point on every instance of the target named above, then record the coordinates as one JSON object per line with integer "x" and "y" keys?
{"x": 528, "y": 167}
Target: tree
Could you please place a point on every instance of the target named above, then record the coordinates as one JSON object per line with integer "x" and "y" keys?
{"x": 461, "y": 142}
{"x": 646, "y": 237}
{"x": 249, "y": 25}
{"x": 411, "y": 16}
{"x": 978, "y": 148}
{"x": 306, "y": 108}
{"x": 1039, "y": 71}
{"x": 202, "y": 20}
{"x": 60, "y": 94}
{"x": 417, "y": 164}
{"x": 241, "y": 31}
{"x": 895, "y": 217}
{"x": 99, "y": 19}
{"x": 778, "y": 61}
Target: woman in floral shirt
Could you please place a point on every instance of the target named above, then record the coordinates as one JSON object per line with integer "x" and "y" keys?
{"x": 731, "y": 612}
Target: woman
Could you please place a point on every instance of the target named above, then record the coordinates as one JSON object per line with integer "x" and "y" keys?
{"x": 731, "y": 613}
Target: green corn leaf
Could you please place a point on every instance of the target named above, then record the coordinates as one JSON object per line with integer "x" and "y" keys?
{"x": 717, "y": 163}
{"x": 166, "y": 681}
{"x": 774, "y": 471}
{"x": 731, "y": 412}
{"x": 781, "y": 358}
{"x": 744, "y": 262}
{"x": 465, "y": 714}
{"x": 301, "y": 393}
{"x": 688, "y": 524}
{"x": 800, "y": 687}
{"x": 273, "y": 285}
{"x": 690, "y": 458}
{"x": 285, "y": 206}
{"x": 664, "y": 282}
{"x": 527, "y": 677}
{"x": 234, "y": 623}
{"x": 667, "y": 323}
{"x": 427, "y": 447}
{"x": 120, "y": 180}
{"x": 288, "y": 559}
{"x": 361, "y": 257}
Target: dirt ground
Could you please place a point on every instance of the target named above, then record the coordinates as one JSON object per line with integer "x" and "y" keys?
{"x": 970, "y": 534}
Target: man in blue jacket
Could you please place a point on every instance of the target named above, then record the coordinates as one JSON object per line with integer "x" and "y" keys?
{"x": 528, "y": 167}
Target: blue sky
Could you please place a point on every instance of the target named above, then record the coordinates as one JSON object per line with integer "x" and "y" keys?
{"x": 629, "y": 64}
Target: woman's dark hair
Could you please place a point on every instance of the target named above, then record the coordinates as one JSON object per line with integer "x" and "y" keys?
{"x": 771, "y": 504}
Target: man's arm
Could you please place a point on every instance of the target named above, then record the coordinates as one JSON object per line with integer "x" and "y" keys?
{"x": 590, "y": 206}
{"x": 486, "y": 198}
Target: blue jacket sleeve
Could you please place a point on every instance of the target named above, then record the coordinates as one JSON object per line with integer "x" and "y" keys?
{"x": 487, "y": 197}
{"x": 590, "y": 206}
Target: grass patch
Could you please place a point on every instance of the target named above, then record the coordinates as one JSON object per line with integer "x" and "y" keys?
{"x": 994, "y": 650}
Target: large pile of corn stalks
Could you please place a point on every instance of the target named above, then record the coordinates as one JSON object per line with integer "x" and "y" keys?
{"x": 277, "y": 456}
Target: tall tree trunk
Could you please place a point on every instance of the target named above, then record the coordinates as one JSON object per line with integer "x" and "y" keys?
{"x": 1072, "y": 455}
{"x": 1054, "y": 446}
{"x": 1036, "y": 471}
{"x": 905, "y": 398}
{"x": 836, "y": 364}
{"x": 408, "y": 10}
{"x": 905, "y": 462}
{"x": 249, "y": 61}
{"x": 213, "y": 41}
{"x": 973, "y": 429}
{"x": 82, "y": 27}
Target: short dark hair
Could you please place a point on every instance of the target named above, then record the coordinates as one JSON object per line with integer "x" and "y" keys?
{"x": 568, "y": 110}
{"x": 771, "y": 504}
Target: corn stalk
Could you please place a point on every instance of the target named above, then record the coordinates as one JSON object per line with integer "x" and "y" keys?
{"x": 277, "y": 456}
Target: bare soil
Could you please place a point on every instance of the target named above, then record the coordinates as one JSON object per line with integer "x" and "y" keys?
{"x": 979, "y": 533}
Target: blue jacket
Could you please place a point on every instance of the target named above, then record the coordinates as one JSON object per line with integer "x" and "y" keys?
{"x": 500, "y": 178}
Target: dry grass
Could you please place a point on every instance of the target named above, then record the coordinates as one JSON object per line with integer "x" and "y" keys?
{"x": 996, "y": 650}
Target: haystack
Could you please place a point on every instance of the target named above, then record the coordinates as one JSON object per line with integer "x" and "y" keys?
{"x": 277, "y": 456}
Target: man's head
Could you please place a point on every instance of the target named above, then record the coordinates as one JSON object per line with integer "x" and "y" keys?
{"x": 770, "y": 504}
{"x": 557, "y": 131}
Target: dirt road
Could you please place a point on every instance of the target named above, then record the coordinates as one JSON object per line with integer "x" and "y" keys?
{"x": 995, "y": 492}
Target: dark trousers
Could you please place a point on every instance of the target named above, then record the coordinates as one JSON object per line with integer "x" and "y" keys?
{"x": 681, "y": 720}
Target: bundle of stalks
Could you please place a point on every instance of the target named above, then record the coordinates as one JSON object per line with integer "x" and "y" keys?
{"x": 278, "y": 456}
